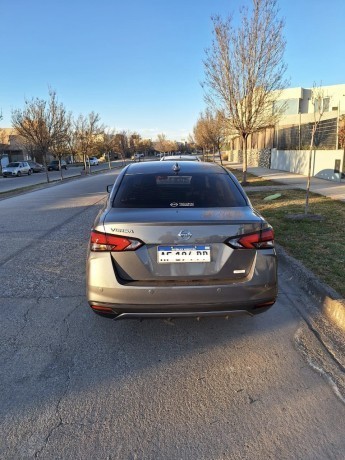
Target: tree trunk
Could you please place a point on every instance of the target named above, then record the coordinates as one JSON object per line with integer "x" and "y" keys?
{"x": 60, "y": 167}
{"x": 306, "y": 209}
{"x": 44, "y": 157}
{"x": 220, "y": 157}
{"x": 245, "y": 159}
{"x": 84, "y": 161}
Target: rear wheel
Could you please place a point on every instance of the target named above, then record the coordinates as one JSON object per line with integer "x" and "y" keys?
{"x": 19, "y": 174}
{"x": 29, "y": 172}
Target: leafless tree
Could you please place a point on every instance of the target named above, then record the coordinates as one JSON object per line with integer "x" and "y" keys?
{"x": 317, "y": 96}
{"x": 88, "y": 132}
{"x": 109, "y": 144}
{"x": 122, "y": 144}
{"x": 161, "y": 144}
{"x": 134, "y": 140}
{"x": 164, "y": 145}
{"x": 244, "y": 70}
{"x": 191, "y": 141}
{"x": 199, "y": 136}
{"x": 3, "y": 138}
{"x": 341, "y": 133}
{"x": 209, "y": 131}
{"x": 42, "y": 124}
{"x": 341, "y": 141}
{"x": 61, "y": 149}
{"x": 145, "y": 145}
{"x": 72, "y": 140}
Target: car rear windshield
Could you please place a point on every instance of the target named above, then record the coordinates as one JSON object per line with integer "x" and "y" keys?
{"x": 13, "y": 165}
{"x": 178, "y": 191}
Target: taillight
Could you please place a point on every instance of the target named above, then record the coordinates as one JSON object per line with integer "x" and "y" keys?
{"x": 102, "y": 309}
{"x": 263, "y": 239}
{"x": 105, "y": 242}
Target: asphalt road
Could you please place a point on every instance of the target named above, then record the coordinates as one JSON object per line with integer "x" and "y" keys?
{"x": 77, "y": 386}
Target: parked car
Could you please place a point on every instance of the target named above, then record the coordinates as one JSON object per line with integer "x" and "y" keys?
{"x": 137, "y": 156}
{"x": 180, "y": 158}
{"x": 35, "y": 167}
{"x": 93, "y": 161}
{"x": 16, "y": 168}
{"x": 55, "y": 166}
{"x": 180, "y": 239}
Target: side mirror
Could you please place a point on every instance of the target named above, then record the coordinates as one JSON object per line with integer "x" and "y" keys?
{"x": 109, "y": 187}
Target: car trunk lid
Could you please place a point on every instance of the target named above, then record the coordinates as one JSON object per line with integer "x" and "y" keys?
{"x": 182, "y": 245}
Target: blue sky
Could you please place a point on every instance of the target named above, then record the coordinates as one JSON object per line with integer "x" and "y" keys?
{"x": 138, "y": 63}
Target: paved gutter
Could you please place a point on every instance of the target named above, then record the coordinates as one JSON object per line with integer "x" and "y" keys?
{"x": 326, "y": 298}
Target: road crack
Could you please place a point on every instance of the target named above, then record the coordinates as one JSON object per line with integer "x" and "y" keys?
{"x": 58, "y": 413}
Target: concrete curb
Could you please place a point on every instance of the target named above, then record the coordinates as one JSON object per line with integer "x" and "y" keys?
{"x": 327, "y": 299}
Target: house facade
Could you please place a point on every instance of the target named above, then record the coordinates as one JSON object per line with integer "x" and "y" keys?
{"x": 285, "y": 146}
{"x": 11, "y": 147}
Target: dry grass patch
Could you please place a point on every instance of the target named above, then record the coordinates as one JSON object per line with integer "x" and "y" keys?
{"x": 318, "y": 245}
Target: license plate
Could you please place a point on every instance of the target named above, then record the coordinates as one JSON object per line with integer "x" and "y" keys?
{"x": 183, "y": 254}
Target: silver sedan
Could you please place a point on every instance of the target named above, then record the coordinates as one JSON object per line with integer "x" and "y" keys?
{"x": 180, "y": 239}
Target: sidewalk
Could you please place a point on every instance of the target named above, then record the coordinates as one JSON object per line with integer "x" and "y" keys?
{"x": 335, "y": 190}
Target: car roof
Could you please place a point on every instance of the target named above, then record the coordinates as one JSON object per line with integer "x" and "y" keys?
{"x": 166, "y": 167}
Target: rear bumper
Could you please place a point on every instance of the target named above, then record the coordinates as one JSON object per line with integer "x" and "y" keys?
{"x": 250, "y": 295}
{"x": 173, "y": 311}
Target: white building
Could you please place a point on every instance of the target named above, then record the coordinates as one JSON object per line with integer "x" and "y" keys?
{"x": 286, "y": 145}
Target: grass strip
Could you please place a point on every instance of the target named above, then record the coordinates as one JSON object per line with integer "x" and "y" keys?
{"x": 318, "y": 245}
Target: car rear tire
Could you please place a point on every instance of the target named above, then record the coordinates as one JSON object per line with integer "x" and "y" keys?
{"x": 29, "y": 172}
{"x": 19, "y": 174}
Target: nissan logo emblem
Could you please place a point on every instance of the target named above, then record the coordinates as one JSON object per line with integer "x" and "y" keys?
{"x": 185, "y": 234}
